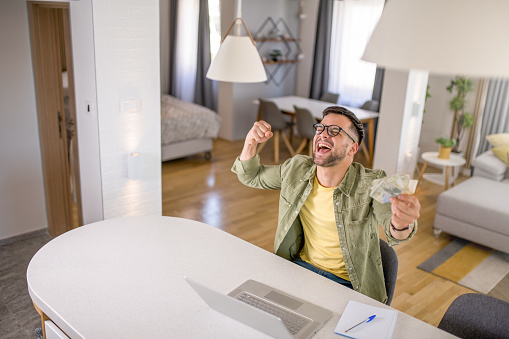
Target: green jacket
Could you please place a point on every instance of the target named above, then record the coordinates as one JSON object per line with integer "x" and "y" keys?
{"x": 357, "y": 215}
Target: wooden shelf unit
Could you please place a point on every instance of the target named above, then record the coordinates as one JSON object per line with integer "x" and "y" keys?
{"x": 285, "y": 41}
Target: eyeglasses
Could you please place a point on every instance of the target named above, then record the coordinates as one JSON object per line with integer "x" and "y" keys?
{"x": 332, "y": 130}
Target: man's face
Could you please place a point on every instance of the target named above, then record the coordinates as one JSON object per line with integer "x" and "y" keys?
{"x": 330, "y": 151}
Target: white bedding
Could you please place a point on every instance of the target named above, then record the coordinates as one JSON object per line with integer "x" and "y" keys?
{"x": 182, "y": 121}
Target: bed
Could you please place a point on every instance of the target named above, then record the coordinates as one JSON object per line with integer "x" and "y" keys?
{"x": 186, "y": 128}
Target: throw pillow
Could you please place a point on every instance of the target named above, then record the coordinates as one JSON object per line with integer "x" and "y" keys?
{"x": 502, "y": 153}
{"x": 498, "y": 139}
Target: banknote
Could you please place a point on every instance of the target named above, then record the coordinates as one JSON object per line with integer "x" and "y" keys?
{"x": 385, "y": 188}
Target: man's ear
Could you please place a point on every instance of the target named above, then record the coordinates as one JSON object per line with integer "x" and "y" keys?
{"x": 354, "y": 147}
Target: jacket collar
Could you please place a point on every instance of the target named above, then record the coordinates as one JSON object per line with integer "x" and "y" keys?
{"x": 346, "y": 184}
{"x": 348, "y": 181}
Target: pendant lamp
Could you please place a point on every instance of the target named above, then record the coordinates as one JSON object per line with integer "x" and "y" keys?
{"x": 238, "y": 59}
{"x": 464, "y": 37}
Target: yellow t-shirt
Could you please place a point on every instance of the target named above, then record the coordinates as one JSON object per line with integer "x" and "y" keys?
{"x": 321, "y": 245}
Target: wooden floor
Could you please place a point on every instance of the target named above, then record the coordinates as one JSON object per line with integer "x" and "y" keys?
{"x": 208, "y": 191}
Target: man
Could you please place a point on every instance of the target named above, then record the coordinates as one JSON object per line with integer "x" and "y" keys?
{"x": 327, "y": 221}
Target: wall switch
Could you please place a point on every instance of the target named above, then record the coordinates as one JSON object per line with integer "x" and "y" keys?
{"x": 130, "y": 106}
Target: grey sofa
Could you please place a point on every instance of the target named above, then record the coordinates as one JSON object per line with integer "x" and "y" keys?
{"x": 478, "y": 208}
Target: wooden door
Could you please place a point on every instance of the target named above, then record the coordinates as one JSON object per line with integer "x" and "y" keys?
{"x": 52, "y": 63}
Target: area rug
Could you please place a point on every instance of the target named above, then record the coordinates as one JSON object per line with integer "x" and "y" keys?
{"x": 474, "y": 266}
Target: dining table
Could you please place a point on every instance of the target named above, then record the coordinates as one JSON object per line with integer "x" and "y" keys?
{"x": 316, "y": 107}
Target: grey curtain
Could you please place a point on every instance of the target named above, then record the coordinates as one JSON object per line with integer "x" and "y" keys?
{"x": 203, "y": 91}
{"x": 320, "y": 74}
{"x": 377, "y": 88}
{"x": 496, "y": 112}
{"x": 173, "y": 43}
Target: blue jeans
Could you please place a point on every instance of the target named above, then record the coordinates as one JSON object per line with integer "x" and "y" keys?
{"x": 323, "y": 273}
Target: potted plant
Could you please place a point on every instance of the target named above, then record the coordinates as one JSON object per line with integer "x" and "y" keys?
{"x": 461, "y": 120}
{"x": 446, "y": 146}
{"x": 276, "y": 55}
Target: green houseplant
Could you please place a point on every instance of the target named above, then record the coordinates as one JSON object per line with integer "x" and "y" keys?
{"x": 461, "y": 120}
{"x": 446, "y": 146}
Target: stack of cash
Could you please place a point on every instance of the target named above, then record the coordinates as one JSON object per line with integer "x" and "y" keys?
{"x": 392, "y": 186}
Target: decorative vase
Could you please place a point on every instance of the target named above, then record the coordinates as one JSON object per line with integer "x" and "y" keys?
{"x": 444, "y": 152}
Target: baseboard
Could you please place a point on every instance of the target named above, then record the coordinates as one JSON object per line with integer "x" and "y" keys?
{"x": 24, "y": 236}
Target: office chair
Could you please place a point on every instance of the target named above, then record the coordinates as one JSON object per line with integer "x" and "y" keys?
{"x": 371, "y": 105}
{"x": 270, "y": 113}
{"x": 330, "y": 97}
{"x": 474, "y": 315}
{"x": 305, "y": 122}
{"x": 390, "y": 267}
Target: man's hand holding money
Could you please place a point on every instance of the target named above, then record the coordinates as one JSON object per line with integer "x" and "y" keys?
{"x": 398, "y": 190}
{"x": 405, "y": 211}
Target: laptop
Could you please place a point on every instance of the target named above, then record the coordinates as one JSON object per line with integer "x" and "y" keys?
{"x": 266, "y": 309}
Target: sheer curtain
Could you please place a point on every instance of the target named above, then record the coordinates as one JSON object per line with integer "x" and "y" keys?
{"x": 352, "y": 25}
{"x": 187, "y": 42}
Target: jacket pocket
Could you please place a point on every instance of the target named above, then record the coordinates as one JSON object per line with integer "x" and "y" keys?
{"x": 359, "y": 214}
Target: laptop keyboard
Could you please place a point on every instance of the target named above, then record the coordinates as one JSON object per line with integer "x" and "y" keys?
{"x": 293, "y": 322}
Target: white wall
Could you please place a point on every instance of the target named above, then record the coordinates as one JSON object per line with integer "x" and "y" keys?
{"x": 127, "y": 69}
{"x": 22, "y": 204}
{"x": 437, "y": 120}
{"x": 81, "y": 19}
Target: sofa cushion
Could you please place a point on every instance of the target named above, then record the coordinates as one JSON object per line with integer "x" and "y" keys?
{"x": 502, "y": 153}
{"x": 489, "y": 166}
{"x": 478, "y": 201}
{"x": 498, "y": 139}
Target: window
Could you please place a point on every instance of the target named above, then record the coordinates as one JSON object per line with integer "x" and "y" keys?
{"x": 352, "y": 24}
{"x": 187, "y": 42}
{"x": 215, "y": 27}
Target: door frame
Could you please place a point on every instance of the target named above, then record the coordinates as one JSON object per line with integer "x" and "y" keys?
{"x": 61, "y": 217}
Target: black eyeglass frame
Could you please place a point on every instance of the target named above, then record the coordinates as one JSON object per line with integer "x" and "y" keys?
{"x": 317, "y": 125}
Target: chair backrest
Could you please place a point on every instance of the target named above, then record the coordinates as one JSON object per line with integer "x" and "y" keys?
{"x": 305, "y": 122}
{"x": 390, "y": 267}
{"x": 330, "y": 97}
{"x": 270, "y": 113}
{"x": 474, "y": 315}
{"x": 371, "y": 105}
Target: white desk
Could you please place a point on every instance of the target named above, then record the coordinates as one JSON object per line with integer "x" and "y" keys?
{"x": 123, "y": 278}
{"x": 316, "y": 107}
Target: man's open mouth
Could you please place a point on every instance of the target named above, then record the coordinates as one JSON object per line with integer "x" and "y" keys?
{"x": 322, "y": 147}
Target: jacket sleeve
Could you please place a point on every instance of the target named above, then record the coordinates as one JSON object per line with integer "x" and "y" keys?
{"x": 383, "y": 214}
{"x": 252, "y": 174}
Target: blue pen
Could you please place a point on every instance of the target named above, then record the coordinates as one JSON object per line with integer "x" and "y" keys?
{"x": 362, "y": 322}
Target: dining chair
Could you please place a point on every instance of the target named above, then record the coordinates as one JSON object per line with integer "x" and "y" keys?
{"x": 371, "y": 105}
{"x": 330, "y": 97}
{"x": 270, "y": 113}
{"x": 305, "y": 122}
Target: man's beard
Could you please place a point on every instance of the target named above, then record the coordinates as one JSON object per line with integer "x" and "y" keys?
{"x": 333, "y": 159}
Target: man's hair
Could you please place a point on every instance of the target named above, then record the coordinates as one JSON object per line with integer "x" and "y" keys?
{"x": 357, "y": 126}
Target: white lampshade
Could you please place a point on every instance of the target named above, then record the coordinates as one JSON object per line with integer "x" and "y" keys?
{"x": 237, "y": 60}
{"x": 453, "y": 37}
